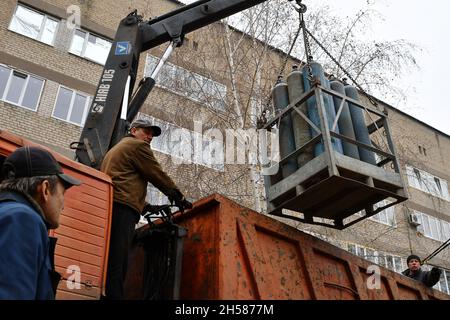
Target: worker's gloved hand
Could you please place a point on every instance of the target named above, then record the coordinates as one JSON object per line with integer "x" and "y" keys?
{"x": 187, "y": 204}
{"x": 184, "y": 204}
{"x": 150, "y": 208}
{"x": 175, "y": 197}
{"x": 436, "y": 271}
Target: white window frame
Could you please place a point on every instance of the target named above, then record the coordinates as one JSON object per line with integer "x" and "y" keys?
{"x": 445, "y": 230}
{"x": 442, "y": 231}
{"x": 85, "y": 43}
{"x": 175, "y": 74}
{"x": 380, "y": 258}
{"x": 22, "y": 94}
{"x": 72, "y": 100}
{"x": 427, "y": 182}
{"x": 193, "y": 159}
{"x": 446, "y": 275}
{"x": 41, "y": 29}
{"x": 387, "y": 212}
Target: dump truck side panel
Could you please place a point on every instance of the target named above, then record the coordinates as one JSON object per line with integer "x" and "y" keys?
{"x": 232, "y": 252}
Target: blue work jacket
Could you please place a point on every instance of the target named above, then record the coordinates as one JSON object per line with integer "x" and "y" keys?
{"x": 25, "y": 268}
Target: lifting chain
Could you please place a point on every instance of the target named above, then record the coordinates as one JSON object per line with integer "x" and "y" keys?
{"x": 301, "y": 9}
{"x": 341, "y": 67}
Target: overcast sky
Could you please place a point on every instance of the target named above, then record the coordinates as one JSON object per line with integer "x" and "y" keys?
{"x": 426, "y": 24}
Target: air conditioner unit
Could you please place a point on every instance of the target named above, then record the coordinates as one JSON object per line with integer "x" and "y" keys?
{"x": 414, "y": 219}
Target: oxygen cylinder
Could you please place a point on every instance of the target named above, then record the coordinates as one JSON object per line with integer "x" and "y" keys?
{"x": 280, "y": 98}
{"x": 359, "y": 125}
{"x": 345, "y": 121}
{"x": 313, "y": 113}
{"x": 339, "y": 148}
{"x": 299, "y": 125}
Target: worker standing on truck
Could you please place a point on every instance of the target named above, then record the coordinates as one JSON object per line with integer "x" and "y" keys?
{"x": 31, "y": 201}
{"x": 132, "y": 165}
{"x": 414, "y": 271}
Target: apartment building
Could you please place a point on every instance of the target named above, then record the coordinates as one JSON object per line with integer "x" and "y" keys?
{"x": 50, "y": 67}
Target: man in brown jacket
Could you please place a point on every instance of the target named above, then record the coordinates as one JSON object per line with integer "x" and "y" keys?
{"x": 132, "y": 165}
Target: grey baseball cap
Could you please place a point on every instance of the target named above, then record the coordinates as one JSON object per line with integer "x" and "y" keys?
{"x": 143, "y": 123}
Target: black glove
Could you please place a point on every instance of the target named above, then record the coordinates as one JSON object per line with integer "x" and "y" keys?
{"x": 176, "y": 197}
{"x": 187, "y": 204}
{"x": 436, "y": 271}
{"x": 148, "y": 208}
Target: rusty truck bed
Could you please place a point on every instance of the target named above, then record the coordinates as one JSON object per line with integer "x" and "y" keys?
{"x": 232, "y": 252}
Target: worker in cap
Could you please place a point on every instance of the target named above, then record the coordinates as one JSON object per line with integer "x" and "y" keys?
{"x": 414, "y": 271}
{"x": 32, "y": 188}
{"x": 131, "y": 165}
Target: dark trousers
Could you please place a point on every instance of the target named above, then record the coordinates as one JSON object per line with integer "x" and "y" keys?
{"x": 124, "y": 220}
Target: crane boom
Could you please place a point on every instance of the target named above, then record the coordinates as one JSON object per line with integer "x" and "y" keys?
{"x": 105, "y": 124}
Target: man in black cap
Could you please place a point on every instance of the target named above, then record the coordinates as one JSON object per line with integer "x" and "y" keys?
{"x": 132, "y": 165}
{"x": 31, "y": 200}
{"x": 414, "y": 271}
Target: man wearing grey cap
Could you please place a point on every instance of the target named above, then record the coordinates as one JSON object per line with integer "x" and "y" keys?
{"x": 31, "y": 200}
{"x": 132, "y": 165}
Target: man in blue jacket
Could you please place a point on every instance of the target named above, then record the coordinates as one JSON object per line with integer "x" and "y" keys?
{"x": 31, "y": 200}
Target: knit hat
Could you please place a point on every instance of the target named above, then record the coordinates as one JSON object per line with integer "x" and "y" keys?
{"x": 413, "y": 256}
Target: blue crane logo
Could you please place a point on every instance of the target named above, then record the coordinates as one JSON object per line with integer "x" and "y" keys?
{"x": 123, "y": 48}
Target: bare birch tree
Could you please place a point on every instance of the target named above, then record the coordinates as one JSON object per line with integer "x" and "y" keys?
{"x": 248, "y": 57}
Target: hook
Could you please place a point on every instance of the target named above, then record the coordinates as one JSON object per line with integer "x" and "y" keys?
{"x": 301, "y": 7}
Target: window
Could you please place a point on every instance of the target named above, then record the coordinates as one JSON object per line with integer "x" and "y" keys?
{"x": 444, "y": 282}
{"x": 437, "y": 183}
{"x": 71, "y": 106}
{"x": 394, "y": 263}
{"x": 352, "y": 248}
{"x": 417, "y": 176}
{"x": 181, "y": 143}
{"x": 34, "y": 25}
{"x": 386, "y": 216}
{"x": 370, "y": 255}
{"x": 398, "y": 264}
{"x": 19, "y": 88}
{"x": 427, "y": 183}
{"x": 432, "y": 227}
{"x": 445, "y": 230}
{"x": 189, "y": 84}
{"x": 89, "y": 46}
{"x": 446, "y": 275}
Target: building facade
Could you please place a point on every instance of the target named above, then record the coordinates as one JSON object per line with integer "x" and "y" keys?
{"x": 211, "y": 90}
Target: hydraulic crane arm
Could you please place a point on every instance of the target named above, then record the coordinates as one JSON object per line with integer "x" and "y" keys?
{"x": 110, "y": 109}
